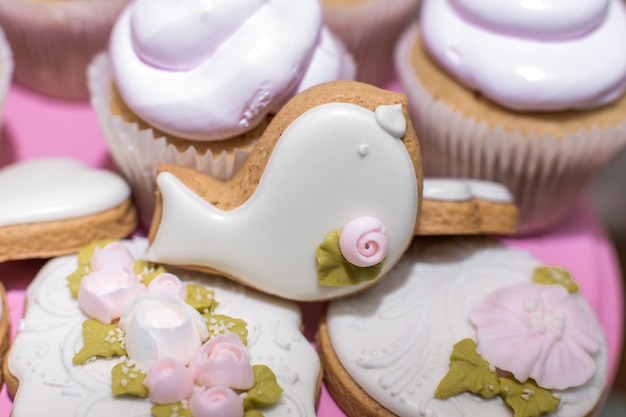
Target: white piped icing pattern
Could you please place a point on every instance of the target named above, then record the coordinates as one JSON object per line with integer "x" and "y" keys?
{"x": 531, "y": 55}
{"x": 56, "y": 189}
{"x": 334, "y": 163}
{"x": 395, "y": 339}
{"x": 209, "y": 70}
{"x": 50, "y": 334}
{"x": 444, "y": 189}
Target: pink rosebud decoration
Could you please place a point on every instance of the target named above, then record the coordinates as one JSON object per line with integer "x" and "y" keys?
{"x": 103, "y": 294}
{"x": 540, "y": 332}
{"x": 223, "y": 360}
{"x": 113, "y": 255}
{"x": 161, "y": 325}
{"x": 364, "y": 242}
{"x": 219, "y": 401}
{"x": 168, "y": 381}
{"x": 169, "y": 283}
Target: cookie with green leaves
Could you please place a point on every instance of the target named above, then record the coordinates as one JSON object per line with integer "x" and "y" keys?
{"x": 465, "y": 327}
{"x": 107, "y": 333}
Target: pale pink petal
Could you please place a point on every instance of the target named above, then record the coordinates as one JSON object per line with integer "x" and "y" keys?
{"x": 223, "y": 360}
{"x": 168, "y": 381}
{"x": 219, "y": 401}
{"x": 113, "y": 255}
{"x": 364, "y": 242}
{"x": 104, "y": 294}
{"x": 169, "y": 283}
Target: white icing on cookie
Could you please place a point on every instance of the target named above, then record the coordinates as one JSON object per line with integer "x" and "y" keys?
{"x": 56, "y": 189}
{"x": 331, "y": 165}
{"x": 445, "y": 189}
{"x": 395, "y": 339}
{"x": 50, "y": 335}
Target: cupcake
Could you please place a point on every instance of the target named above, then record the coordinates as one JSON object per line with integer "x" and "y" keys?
{"x": 173, "y": 89}
{"x": 370, "y": 30}
{"x": 531, "y": 98}
{"x": 54, "y": 40}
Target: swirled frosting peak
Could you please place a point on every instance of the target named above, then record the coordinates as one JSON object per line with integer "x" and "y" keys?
{"x": 209, "y": 69}
{"x": 531, "y": 55}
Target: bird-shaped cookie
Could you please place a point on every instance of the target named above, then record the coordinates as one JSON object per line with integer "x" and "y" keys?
{"x": 326, "y": 204}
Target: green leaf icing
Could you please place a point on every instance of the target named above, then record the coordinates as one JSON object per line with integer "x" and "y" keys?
{"x": 99, "y": 339}
{"x": 253, "y": 413}
{"x": 219, "y": 324}
{"x": 126, "y": 378}
{"x": 527, "y": 399}
{"x": 147, "y": 271}
{"x": 265, "y": 391}
{"x": 551, "y": 275}
{"x": 468, "y": 372}
{"x": 201, "y": 298}
{"x": 172, "y": 410}
{"x": 334, "y": 270}
{"x": 84, "y": 265}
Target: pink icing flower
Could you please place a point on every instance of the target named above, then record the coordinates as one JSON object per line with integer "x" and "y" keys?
{"x": 169, "y": 283}
{"x": 160, "y": 325}
{"x": 168, "y": 381}
{"x": 364, "y": 242}
{"x": 113, "y": 255}
{"x": 223, "y": 360}
{"x": 540, "y": 332}
{"x": 104, "y": 294}
{"x": 218, "y": 401}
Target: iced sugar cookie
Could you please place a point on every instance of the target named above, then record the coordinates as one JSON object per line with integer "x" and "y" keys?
{"x": 54, "y": 206}
{"x": 465, "y": 327}
{"x": 340, "y": 159}
{"x": 106, "y": 333}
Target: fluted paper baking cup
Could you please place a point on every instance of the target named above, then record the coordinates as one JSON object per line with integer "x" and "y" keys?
{"x": 370, "y": 30}
{"x": 138, "y": 152}
{"x": 546, "y": 174}
{"x": 54, "y": 41}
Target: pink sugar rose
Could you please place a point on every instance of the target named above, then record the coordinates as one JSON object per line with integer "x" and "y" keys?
{"x": 168, "y": 381}
{"x": 104, "y": 294}
{"x": 170, "y": 283}
{"x": 218, "y": 401}
{"x": 223, "y": 360}
{"x": 113, "y": 255}
{"x": 540, "y": 332}
{"x": 364, "y": 242}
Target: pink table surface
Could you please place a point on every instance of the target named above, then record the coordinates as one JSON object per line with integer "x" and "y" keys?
{"x": 36, "y": 126}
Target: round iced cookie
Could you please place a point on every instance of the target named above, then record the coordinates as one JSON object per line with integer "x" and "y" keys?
{"x": 465, "y": 327}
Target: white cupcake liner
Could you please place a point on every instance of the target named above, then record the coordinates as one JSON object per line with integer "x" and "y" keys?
{"x": 137, "y": 153}
{"x": 546, "y": 174}
{"x": 370, "y": 31}
{"x": 53, "y": 41}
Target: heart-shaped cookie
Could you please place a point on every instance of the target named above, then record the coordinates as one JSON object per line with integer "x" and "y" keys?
{"x": 53, "y": 206}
